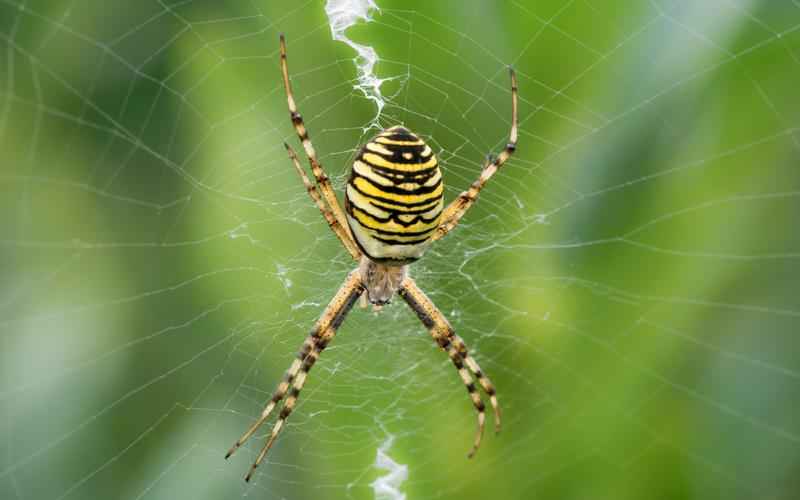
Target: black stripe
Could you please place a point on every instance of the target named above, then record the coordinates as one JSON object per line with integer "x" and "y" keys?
{"x": 400, "y": 134}
{"x": 397, "y": 151}
{"x": 387, "y": 232}
{"x": 383, "y": 232}
{"x": 426, "y": 201}
{"x": 390, "y": 261}
{"x": 400, "y": 148}
{"x": 396, "y": 190}
{"x": 400, "y": 176}
{"x": 405, "y": 212}
{"x": 393, "y": 242}
{"x": 397, "y": 178}
{"x": 395, "y": 217}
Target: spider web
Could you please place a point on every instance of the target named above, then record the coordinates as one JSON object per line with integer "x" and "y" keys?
{"x": 628, "y": 279}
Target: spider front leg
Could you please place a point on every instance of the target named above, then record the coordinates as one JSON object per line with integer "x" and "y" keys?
{"x": 453, "y": 213}
{"x": 324, "y": 183}
{"x": 446, "y": 338}
{"x": 334, "y": 224}
{"x": 319, "y": 338}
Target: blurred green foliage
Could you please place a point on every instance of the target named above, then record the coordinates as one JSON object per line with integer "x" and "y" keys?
{"x": 629, "y": 280}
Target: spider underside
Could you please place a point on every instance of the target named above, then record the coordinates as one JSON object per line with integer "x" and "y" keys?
{"x": 394, "y": 211}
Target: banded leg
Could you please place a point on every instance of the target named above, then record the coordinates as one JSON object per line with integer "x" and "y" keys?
{"x": 458, "y": 362}
{"x": 322, "y": 333}
{"x": 453, "y": 213}
{"x": 483, "y": 380}
{"x": 334, "y": 224}
{"x": 279, "y": 393}
{"x": 445, "y": 337}
{"x": 322, "y": 179}
{"x": 433, "y": 318}
{"x": 288, "y": 406}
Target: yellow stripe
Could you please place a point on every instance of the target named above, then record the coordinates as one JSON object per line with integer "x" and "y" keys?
{"x": 432, "y": 212}
{"x": 395, "y": 208}
{"x": 430, "y": 182}
{"x": 386, "y": 208}
{"x": 377, "y": 148}
{"x": 379, "y": 161}
{"x": 364, "y": 170}
{"x": 368, "y": 222}
{"x": 363, "y": 203}
{"x": 372, "y": 190}
{"x": 385, "y": 140}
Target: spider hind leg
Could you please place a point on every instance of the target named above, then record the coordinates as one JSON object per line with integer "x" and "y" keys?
{"x": 444, "y": 335}
{"x": 294, "y": 379}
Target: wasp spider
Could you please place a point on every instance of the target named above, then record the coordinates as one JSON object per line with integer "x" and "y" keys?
{"x": 393, "y": 211}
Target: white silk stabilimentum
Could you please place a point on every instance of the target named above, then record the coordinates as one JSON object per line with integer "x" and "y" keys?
{"x": 387, "y": 487}
{"x": 341, "y": 15}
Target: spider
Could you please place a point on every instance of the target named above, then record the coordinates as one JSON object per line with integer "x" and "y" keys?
{"x": 393, "y": 211}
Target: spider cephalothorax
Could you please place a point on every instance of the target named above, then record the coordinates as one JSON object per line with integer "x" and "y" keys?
{"x": 394, "y": 211}
{"x": 381, "y": 282}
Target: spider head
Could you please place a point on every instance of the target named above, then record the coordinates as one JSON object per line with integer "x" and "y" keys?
{"x": 381, "y": 280}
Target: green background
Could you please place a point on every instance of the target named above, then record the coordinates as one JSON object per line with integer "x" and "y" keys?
{"x": 629, "y": 279}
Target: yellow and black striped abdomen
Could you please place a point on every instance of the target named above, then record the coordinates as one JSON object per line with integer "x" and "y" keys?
{"x": 394, "y": 197}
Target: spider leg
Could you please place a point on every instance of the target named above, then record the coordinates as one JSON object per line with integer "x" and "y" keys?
{"x": 483, "y": 380}
{"x": 279, "y": 393}
{"x": 458, "y": 362}
{"x": 320, "y": 336}
{"x": 454, "y": 211}
{"x": 334, "y": 224}
{"x": 291, "y": 401}
{"x": 446, "y": 338}
{"x": 321, "y": 177}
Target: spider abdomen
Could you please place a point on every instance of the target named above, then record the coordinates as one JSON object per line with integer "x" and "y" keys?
{"x": 394, "y": 197}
